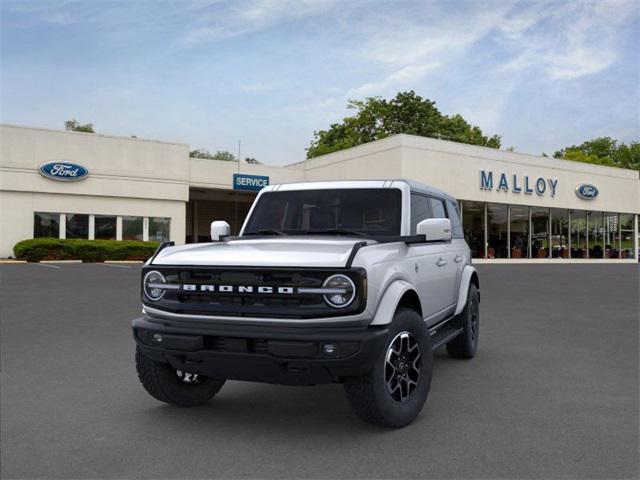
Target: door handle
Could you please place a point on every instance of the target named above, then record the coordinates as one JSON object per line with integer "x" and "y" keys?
{"x": 441, "y": 262}
{"x": 458, "y": 259}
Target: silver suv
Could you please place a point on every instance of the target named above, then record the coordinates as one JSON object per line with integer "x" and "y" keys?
{"x": 355, "y": 282}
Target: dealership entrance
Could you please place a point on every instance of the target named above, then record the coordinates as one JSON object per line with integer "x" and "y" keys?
{"x": 207, "y": 205}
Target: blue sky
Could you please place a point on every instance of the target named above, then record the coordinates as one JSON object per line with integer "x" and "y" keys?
{"x": 542, "y": 74}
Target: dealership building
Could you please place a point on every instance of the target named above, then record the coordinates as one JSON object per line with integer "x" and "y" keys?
{"x": 515, "y": 207}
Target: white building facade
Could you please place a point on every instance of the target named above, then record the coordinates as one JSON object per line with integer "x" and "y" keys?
{"x": 514, "y": 207}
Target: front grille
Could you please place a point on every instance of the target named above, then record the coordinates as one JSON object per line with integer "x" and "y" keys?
{"x": 254, "y": 304}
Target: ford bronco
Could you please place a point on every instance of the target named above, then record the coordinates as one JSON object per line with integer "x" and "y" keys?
{"x": 355, "y": 282}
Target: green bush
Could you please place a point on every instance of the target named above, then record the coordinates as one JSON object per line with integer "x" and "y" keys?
{"x": 37, "y": 249}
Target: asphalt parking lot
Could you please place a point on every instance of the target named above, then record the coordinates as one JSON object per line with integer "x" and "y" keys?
{"x": 552, "y": 393}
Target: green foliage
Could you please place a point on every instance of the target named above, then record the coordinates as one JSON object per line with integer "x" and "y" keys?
{"x": 604, "y": 151}
{"x": 36, "y": 249}
{"x": 252, "y": 161}
{"x": 219, "y": 155}
{"x": 377, "y": 118}
{"x": 75, "y": 126}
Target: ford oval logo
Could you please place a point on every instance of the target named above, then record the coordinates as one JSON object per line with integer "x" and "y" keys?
{"x": 586, "y": 191}
{"x": 64, "y": 171}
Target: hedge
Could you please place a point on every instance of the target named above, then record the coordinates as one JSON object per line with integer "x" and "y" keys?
{"x": 37, "y": 249}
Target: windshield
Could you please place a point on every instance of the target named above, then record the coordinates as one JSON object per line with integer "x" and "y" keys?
{"x": 359, "y": 211}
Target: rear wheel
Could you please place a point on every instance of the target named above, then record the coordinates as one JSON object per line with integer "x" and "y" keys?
{"x": 466, "y": 344}
{"x": 165, "y": 383}
{"x": 393, "y": 393}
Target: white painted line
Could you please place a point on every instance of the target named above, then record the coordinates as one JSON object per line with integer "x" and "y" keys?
{"x": 113, "y": 265}
{"x": 46, "y": 265}
{"x": 60, "y": 261}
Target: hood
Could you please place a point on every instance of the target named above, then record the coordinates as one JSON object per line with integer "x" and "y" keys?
{"x": 263, "y": 252}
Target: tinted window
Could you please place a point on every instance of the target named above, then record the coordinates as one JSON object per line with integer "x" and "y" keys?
{"x": 454, "y": 216}
{"x": 77, "y": 226}
{"x": 159, "y": 229}
{"x": 437, "y": 207}
{"x": 419, "y": 210}
{"x": 46, "y": 225}
{"x": 105, "y": 227}
{"x": 375, "y": 212}
{"x": 132, "y": 228}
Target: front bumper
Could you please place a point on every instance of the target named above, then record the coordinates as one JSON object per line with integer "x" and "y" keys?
{"x": 283, "y": 355}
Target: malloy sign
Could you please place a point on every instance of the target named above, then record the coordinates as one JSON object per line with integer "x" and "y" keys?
{"x": 514, "y": 183}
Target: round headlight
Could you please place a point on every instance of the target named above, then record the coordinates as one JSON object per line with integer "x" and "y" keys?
{"x": 342, "y": 293}
{"x": 152, "y": 283}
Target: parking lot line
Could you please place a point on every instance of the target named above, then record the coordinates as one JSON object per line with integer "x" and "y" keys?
{"x": 47, "y": 265}
{"x": 113, "y": 265}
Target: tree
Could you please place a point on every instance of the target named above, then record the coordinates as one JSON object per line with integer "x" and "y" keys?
{"x": 75, "y": 126}
{"x": 219, "y": 155}
{"x": 377, "y": 118}
{"x": 252, "y": 161}
{"x": 604, "y": 151}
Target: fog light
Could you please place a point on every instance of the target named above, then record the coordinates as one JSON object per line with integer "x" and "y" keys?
{"x": 157, "y": 338}
{"x": 329, "y": 348}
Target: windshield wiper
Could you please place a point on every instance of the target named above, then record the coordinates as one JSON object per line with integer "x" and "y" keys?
{"x": 337, "y": 231}
{"x": 266, "y": 231}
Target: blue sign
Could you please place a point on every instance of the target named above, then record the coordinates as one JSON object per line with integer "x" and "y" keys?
{"x": 254, "y": 183}
{"x": 518, "y": 183}
{"x": 63, "y": 171}
{"x": 586, "y": 191}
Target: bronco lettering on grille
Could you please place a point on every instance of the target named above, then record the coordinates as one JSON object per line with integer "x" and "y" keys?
{"x": 190, "y": 287}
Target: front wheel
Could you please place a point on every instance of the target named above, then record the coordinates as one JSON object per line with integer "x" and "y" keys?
{"x": 165, "y": 383}
{"x": 393, "y": 393}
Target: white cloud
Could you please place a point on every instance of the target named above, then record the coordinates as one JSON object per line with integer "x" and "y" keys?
{"x": 405, "y": 77}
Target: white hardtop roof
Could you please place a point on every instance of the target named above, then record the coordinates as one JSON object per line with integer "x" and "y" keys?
{"x": 391, "y": 183}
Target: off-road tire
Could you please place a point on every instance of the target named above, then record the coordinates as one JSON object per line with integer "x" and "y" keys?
{"x": 368, "y": 394}
{"x": 466, "y": 344}
{"x": 161, "y": 381}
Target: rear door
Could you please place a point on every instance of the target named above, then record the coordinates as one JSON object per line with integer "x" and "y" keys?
{"x": 447, "y": 258}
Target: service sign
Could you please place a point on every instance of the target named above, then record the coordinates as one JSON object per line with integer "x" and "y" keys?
{"x": 253, "y": 183}
{"x": 63, "y": 171}
{"x": 586, "y": 191}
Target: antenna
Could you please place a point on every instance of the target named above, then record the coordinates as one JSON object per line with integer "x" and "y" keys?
{"x": 235, "y": 222}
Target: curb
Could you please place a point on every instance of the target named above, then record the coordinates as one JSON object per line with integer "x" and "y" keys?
{"x": 123, "y": 261}
{"x": 8, "y": 261}
{"x": 60, "y": 261}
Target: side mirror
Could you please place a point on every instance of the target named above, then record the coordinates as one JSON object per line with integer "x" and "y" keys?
{"x": 219, "y": 228}
{"x": 435, "y": 229}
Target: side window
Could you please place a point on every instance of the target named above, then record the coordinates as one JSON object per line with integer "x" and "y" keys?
{"x": 437, "y": 207}
{"x": 419, "y": 210}
{"x": 454, "y": 216}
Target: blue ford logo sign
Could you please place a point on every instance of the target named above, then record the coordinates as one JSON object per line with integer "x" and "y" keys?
{"x": 586, "y": 191}
{"x": 64, "y": 171}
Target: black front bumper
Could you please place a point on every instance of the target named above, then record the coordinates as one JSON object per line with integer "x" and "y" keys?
{"x": 284, "y": 355}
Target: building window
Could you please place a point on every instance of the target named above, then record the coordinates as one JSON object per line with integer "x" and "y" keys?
{"x": 596, "y": 234}
{"x": 519, "y": 231}
{"x": 539, "y": 232}
{"x": 611, "y": 235}
{"x": 473, "y": 225}
{"x": 77, "y": 226}
{"x": 626, "y": 236}
{"x": 105, "y": 227}
{"x": 132, "y": 228}
{"x": 46, "y": 225}
{"x": 497, "y": 230}
{"x": 559, "y": 233}
{"x": 578, "y": 234}
{"x": 159, "y": 228}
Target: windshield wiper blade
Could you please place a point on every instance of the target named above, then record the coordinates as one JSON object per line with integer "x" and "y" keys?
{"x": 338, "y": 231}
{"x": 266, "y": 231}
